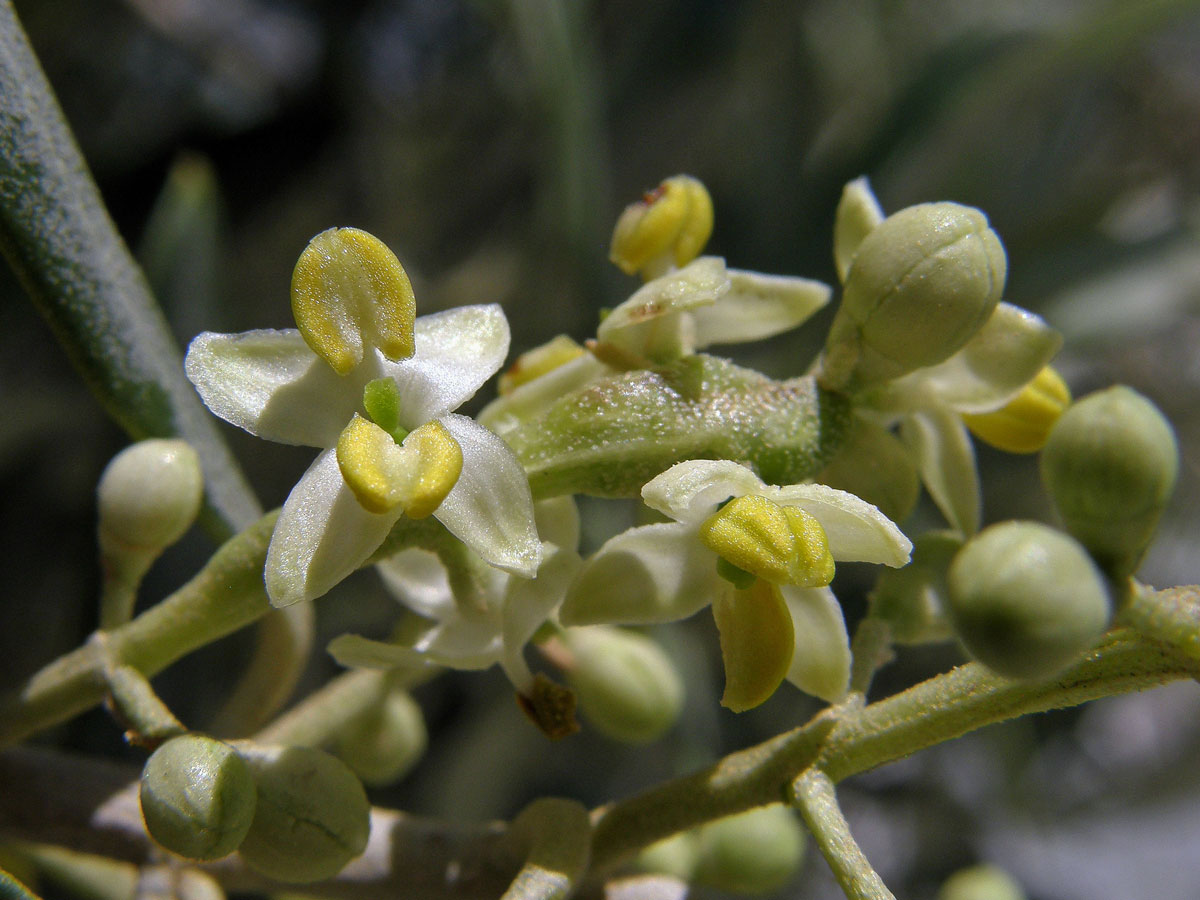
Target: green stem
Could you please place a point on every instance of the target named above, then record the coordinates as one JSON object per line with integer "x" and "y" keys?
{"x": 135, "y": 702}
{"x": 64, "y": 248}
{"x": 843, "y": 742}
{"x": 554, "y": 833}
{"x": 225, "y": 595}
{"x": 322, "y": 715}
{"x": 814, "y": 795}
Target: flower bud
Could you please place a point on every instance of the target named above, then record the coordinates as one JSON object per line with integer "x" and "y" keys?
{"x": 1023, "y": 424}
{"x": 912, "y": 600}
{"x": 1026, "y": 599}
{"x": 149, "y": 495}
{"x": 676, "y": 855}
{"x": 983, "y": 882}
{"x": 197, "y": 797}
{"x": 921, "y": 284}
{"x": 668, "y": 226}
{"x": 312, "y": 816}
{"x": 1110, "y": 465}
{"x": 753, "y": 852}
{"x": 384, "y": 744}
{"x": 626, "y": 685}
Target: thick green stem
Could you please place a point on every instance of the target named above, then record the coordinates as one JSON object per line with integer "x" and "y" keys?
{"x": 225, "y": 595}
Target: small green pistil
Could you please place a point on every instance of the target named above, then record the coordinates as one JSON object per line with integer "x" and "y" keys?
{"x": 739, "y": 578}
{"x": 381, "y": 399}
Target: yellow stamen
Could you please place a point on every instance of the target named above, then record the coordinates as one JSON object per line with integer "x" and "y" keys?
{"x": 669, "y": 225}
{"x": 417, "y": 474}
{"x": 350, "y": 294}
{"x": 757, "y": 643}
{"x": 538, "y": 361}
{"x": 779, "y": 544}
{"x": 1023, "y": 424}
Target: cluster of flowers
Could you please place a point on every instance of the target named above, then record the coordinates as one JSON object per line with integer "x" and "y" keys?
{"x": 760, "y": 486}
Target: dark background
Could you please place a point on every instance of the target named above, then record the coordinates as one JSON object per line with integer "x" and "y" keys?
{"x": 491, "y": 145}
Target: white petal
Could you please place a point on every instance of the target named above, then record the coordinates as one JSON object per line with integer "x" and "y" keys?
{"x": 529, "y": 602}
{"x": 758, "y": 306}
{"x": 271, "y": 384}
{"x": 651, "y": 323}
{"x": 359, "y": 652}
{"x": 418, "y": 579}
{"x": 456, "y": 352}
{"x": 1005, "y": 355}
{"x": 557, "y": 520}
{"x": 945, "y": 458}
{"x": 690, "y": 491}
{"x": 490, "y": 509}
{"x": 322, "y": 535}
{"x": 655, "y": 573}
{"x": 529, "y": 400}
{"x": 856, "y": 530}
{"x": 821, "y": 661}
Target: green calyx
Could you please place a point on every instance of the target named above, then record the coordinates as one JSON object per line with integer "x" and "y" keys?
{"x": 611, "y": 437}
{"x": 381, "y": 400}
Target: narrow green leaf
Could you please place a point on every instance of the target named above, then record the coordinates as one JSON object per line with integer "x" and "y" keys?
{"x": 56, "y": 234}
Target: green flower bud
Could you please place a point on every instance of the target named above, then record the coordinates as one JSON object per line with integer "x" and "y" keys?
{"x": 751, "y": 853}
{"x": 384, "y": 744}
{"x": 921, "y": 284}
{"x": 1026, "y": 599}
{"x": 1110, "y": 465}
{"x": 149, "y": 495}
{"x": 984, "y": 882}
{"x": 626, "y": 685}
{"x": 676, "y": 855}
{"x": 312, "y": 816}
{"x": 912, "y": 600}
{"x": 197, "y": 797}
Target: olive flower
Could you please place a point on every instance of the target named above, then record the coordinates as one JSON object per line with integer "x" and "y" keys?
{"x": 762, "y": 560}
{"x": 375, "y": 390}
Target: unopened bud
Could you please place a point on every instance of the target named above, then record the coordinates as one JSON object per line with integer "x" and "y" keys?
{"x": 1026, "y": 599}
{"x": 627, "y": 687}
{"x": 668, "y": 226}
{"x": 149, "y": 495}
{"x": 753, "y": 852}
{"x": 1110, "y": 465}
{"x": 1023, "y": 424}
{"x": 921, "y": 284}
{"x": 312, "y": 816}
{"x": 983, "y": 882}
{"x": 197, "y": 797}
{"x": 386, "y": 742}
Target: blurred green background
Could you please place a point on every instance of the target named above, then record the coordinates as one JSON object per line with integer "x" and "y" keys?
{"x": 491, "y": 145}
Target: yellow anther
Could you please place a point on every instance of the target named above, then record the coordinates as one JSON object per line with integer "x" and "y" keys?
{"x": 350, "y": 294}
{"x": 669, "y": 226}
{"x": 417, "y": 474}
{"x": 782, "y": 545}
{"x": 538, "y": 361}
{"x": 1023, "y": 424}
{"x": 757, "y": 643}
